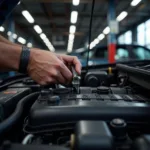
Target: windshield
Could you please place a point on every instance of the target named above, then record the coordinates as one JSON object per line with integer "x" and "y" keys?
{"x": 99, "y": 55}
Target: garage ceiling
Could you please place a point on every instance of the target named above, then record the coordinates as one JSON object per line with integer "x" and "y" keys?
{"x": 53, "y": 16}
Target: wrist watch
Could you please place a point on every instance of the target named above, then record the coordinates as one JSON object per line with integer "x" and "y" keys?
{"x": 24, "y": 59}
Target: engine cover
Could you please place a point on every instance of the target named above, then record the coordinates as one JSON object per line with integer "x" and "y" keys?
{"x": 100, "y": 103}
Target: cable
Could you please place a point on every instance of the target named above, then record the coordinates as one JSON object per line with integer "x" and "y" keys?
{"x": 16, "y": 77}
{"x": 16, "y": 115}
{"x": 90, "y": 33}
{"x": 11, "y": 82}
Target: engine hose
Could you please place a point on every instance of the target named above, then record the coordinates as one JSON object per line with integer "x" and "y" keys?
{"x": 16, "y": 115}
{"x": 11, "y": 82}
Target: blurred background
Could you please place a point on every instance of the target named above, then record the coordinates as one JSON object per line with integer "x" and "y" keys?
{"x": 120, "y": 31}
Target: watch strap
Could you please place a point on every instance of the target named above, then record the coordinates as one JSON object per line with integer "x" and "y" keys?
{"x": 24, "y": 59}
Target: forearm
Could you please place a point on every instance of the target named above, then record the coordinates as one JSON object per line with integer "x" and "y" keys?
{"x": 4, "y": 40}
{"x": 9, "y": 57}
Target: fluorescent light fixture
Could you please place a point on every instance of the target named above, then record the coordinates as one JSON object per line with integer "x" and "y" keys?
{"x": 106, "y": 30}
{"x": 21, "y": 40}
{"x": 28, "y": 16}
{"x": 14, "y": 36}
{"x": 96, "y": 41}
{"x": 69, "y": 50}
{"x": 51, "y": 48}
{"x": 71, "y": 37}
{"x": 135, "y": 2}
{"x": 92, "y": 45}
{"x": 74, "y": 16}
{"x": 101, "y": 36}
{"x": 70, "y": 47}
{"x": 72, "y": 29}
{"x": 38, "y": 29}
{"x": 19, "y": 3}
{"x": 29, "y": 45}
{"x": 48, "y": 44}
{"x": 43, "y": 36}
{"x": 46, "y": 40}
{"x": 9, "y": 33}
{"x": 76, "y": 2}
{"x": 2, "y": 29}
{"x": 122, "y": 16}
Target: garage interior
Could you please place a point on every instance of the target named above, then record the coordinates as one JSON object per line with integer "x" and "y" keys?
{"x": 54, "y": 19}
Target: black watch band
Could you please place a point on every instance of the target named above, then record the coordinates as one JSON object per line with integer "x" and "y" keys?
{"x": 24, "y": 59}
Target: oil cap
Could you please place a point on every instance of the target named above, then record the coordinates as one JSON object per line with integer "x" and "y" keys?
{"x": 102, "y": 90}
{"x": 118, "y": 128}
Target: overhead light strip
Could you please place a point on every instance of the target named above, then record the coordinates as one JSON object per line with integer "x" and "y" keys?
{"x": 76, "y": 2}
{"x": 72, "y": 30}
{"x": 135, "y": 2}
{"x": 106, "y": 30}
{"x": 122, "y": 15}
{"x": 2, "y": 29}
{"x": 21, "y": 40}
{"x": 74, "y": 17}
{"x": 28, "y": 16}
{"x": 38, "y": 29}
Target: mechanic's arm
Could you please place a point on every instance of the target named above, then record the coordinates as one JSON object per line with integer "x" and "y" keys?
{"x": 44, "y": 67}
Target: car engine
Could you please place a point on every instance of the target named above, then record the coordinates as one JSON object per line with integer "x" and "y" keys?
{"x": 107, "y": 108}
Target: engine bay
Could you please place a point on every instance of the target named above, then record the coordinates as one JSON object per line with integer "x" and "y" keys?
{"x": 110, "y": 109}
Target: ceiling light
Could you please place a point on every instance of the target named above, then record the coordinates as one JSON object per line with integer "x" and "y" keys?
{"x": 72, "y": 29}
{"x": 27, "y": 15}
{"x": 29, "y": 45}
{"x": 69, "y": 50}
{"x": 2, "y": 29}
{"x": 43, "y": 36}
{"x": 122, "y": 16}
{"x": 76, "y": 2}
{"x": 96, "y": 41}
{"x": 71, "y": 37}
{"x": 106, "y": 30}
{"x": 101, "y": 36}
{"x": 70, "y": 47}
{"x": 74, "y": 16}
{"x": 19, "y": 3}
{"x": 135, "y": 2}
{"x": 14, "y": 36}
{"x": 51, "y": 48}
{"x": 92, "y": 45}
{"x": 49, "y": 45}
{"x": 38, "y": 29}
{"x": 21, "y": 40}
{"x": 9, "y": 33}
{"x": 46, "y": 40}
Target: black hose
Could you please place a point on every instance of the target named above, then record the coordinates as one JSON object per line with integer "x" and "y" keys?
{"x": 16, "y": 115}
{"x": 11, "y": 82}
{"x": 16, "y": 77}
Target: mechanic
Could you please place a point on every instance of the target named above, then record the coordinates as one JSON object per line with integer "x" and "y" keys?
{"x": 42, "y": 66}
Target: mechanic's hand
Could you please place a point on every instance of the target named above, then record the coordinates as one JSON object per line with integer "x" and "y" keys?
{"x": 46, "y": 68}
{"x": 70, "y": 61}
